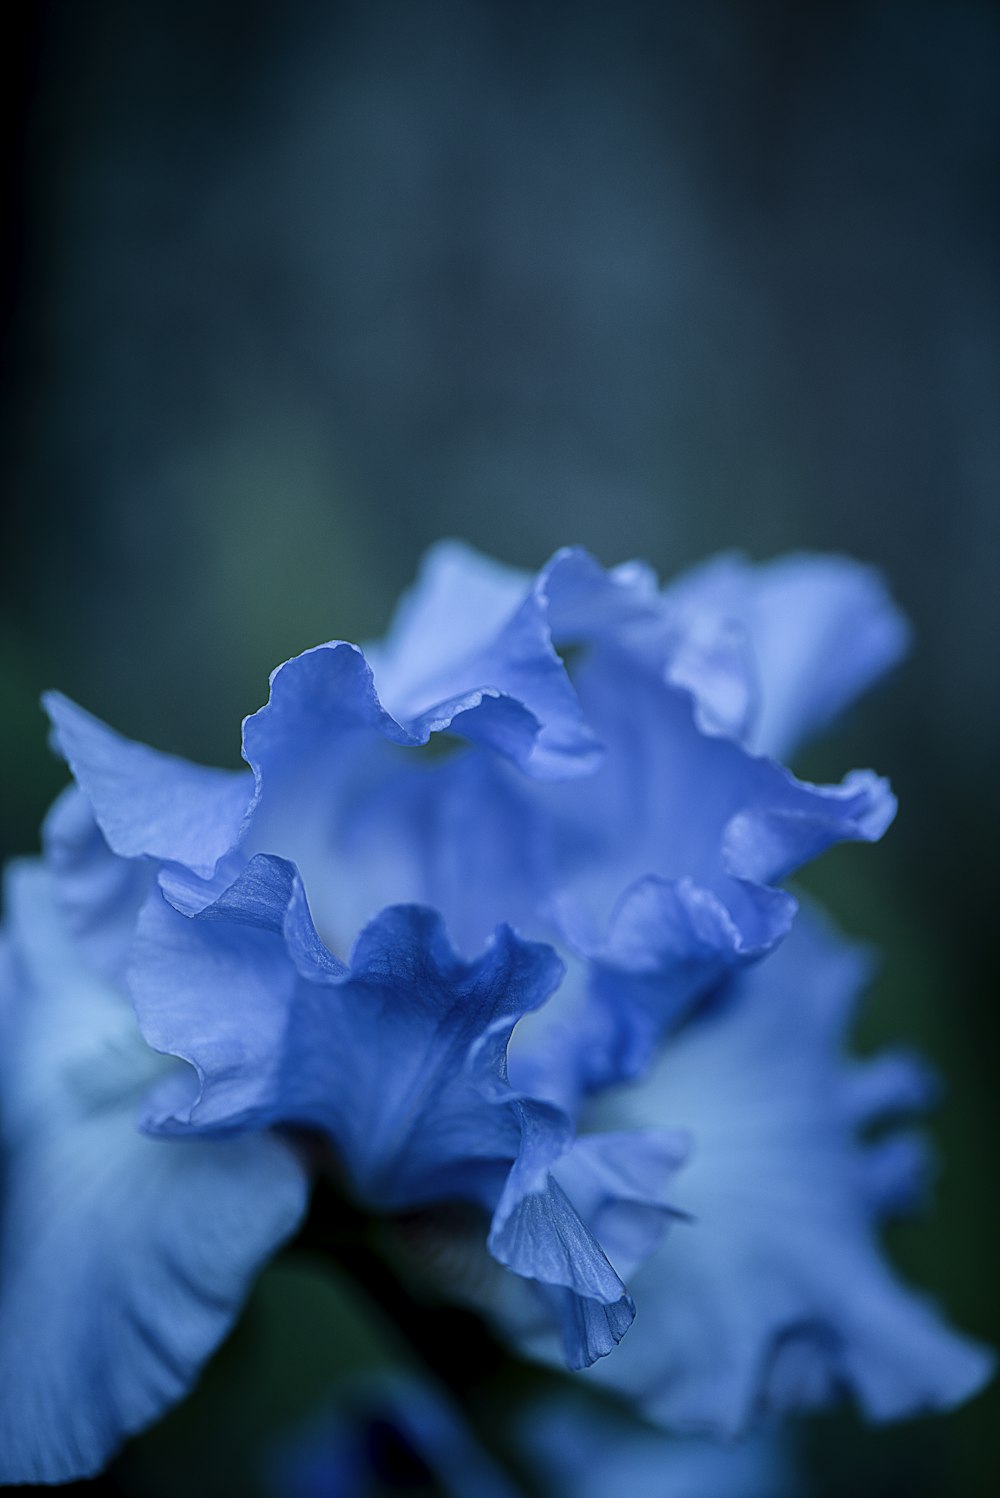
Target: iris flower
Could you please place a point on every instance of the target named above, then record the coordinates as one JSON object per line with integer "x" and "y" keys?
{"x": 495, "y": 912}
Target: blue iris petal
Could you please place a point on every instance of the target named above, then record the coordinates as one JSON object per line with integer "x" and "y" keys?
{"x": 622, "y": 1185}
{"x": 816, "y": 632}
{"x": 400, "y": 1058}
{"x": 147, "y": 803}
{"x": 99, "y": 895}
{"x": 384, "y": 1053}
{"x": 662, "y": 865}
{"x": 470, "y": 624}
{"x": 580, "y": 1449}
{"x": 776, "y": 1294}
{"x": 123, "y": 1259}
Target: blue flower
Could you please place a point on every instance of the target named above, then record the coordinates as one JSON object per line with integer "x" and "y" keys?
{"x": 352, "y": 936}
{"x": 607, "y": 820}
{"x": 593, "y": 813}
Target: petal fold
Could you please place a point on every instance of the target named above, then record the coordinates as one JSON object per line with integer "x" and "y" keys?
{"x": 396, "y": 1055}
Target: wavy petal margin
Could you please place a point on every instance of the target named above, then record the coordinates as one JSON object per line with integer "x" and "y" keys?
{"x": 776, "y": 1295}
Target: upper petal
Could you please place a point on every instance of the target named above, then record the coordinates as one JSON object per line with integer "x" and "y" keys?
{"x": 674, "y": 802}
{"x": 663, "y": 864}
{"x": 819, "y": 630}
{"x": 99, "y": 895}
{"x": 472, "y": 625}
{"x": 145, "y": 802}
{"x": 459, "y": 604}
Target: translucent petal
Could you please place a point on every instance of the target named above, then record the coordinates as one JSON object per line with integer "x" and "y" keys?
{"x": 395, "y": 1057}
{"x": 583, "y": 1450}
{"x": 145, "y": 802}
{"x": 819, "y": 630}
{"x": 123, "y": 1260}
{"x": 776, "y": 1293}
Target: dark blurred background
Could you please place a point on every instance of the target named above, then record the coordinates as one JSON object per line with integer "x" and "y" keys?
{"x": 291, "y": 291}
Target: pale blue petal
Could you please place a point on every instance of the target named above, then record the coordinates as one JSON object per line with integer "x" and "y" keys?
{"x": 145, "y": 802}
{"x": 675, "y": 803}
{"x": 465, "y": 836}
{"x": 459, "y": 604}
{"x": 184, "y": 974}
{"x": 668, "y": 942}
{"x": 887, "y": 1085}
{"x": 323, "y": 739}
{"x": 897, "y": 1173}
{"x": 472, "y": 626}
{"x": 123, "y": 1260}
{"x": 580, "y": 1449}
{"x": 766, "y": 842}
{"x": 622, "y": 1185}
{"x": 896, "y": 1169}
{"x": 819, "y": 631}
{"x": 710, "y": 657}
{"x": 317, "y": 701}
{"x": 586, "y": 602}
{"x": 776, "y": 1295}
{"x": 330, "y": 774}
{"x": 99, "y": 895}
